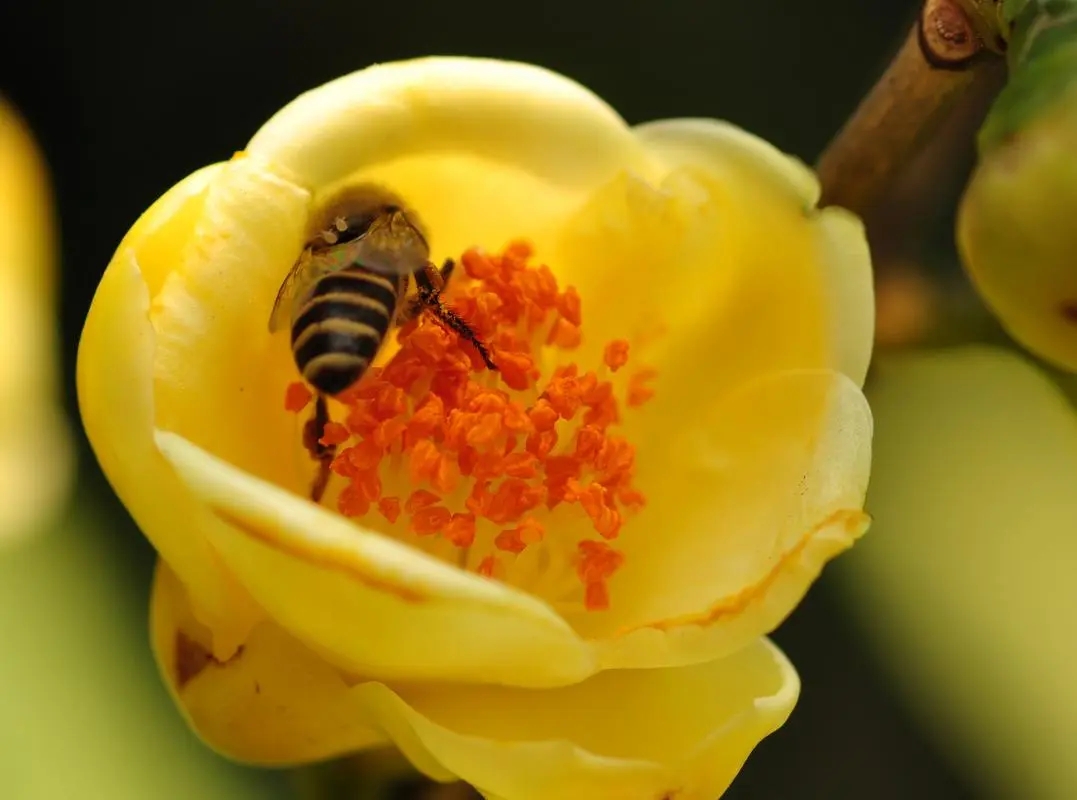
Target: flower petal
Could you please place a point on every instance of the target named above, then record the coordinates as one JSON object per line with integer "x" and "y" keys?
{"x": 756, "y": 492}
{"x": 770, "y": 196}
{"x": 271, "y": 702}
{"x": 647, "y": 734}
{"x": 115, "y": 368}
{"x": 485, "y": 151}
{"x": 368, "y": 603}
{"x": 968, "y": 588}
{"x": 499, "y": 111}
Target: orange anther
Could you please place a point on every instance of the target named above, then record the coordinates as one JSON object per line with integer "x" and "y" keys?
{"x": 519, "y": 250}
{"x": 520, "y": 465}
{"x": 430, "y": 520}
{"x": 568, "y": 305}
{"x": 540, "y": 444}
{"x": 564, "y": 334}
{"x": 446, "y": 476}
{"x": 589, "y": 441}
{"x": 596, "y": 596}
{"x": 485, "y": 401}
{"x": 390, "y": 401}
{"x": 364, "y": 456}
{"x": 564, "y": 395}
{"x": 543, "y": 415}
{"x": 368, "y": 485}
{"x": 389, "y": 432}
{"x": 334, "y": 434}
{"x": 478, "y": 265}
{"x": 419, "y": 499}
{"x": 390, "y": 508}
{"x": 598, "y": 561}
{"x": 515, "y": 418}
{"x": 486, "y": 428}
{"x": 478, "y": 500}
{"x": 361, "y": 418}
{"x": 615, "y": 355}
{"x": 296, "y": 396}
{"x": 510, "y": 541}
{"x": 351, "y": 502}
{"x": 460, "y": 530}
{"x": 531, "y": 530}
{"x": 515, "y": 369}
{"x": 486, "y": 566}
{"x": 423, "y": 461}
{"x": 638, "y": 390}
{"x": 632, "y": 499}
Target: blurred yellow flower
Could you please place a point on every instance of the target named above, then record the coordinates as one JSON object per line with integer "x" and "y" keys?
{"x": 571, "y": 620}
{"x": 35, "y": 455}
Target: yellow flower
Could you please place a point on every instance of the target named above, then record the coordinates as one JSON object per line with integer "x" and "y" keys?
{"x": 34, "y": 446}
{"x": 697, "y": 343}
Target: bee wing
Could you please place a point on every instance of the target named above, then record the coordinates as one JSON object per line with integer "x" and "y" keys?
{"x": 393, "y": 245}
{"x": 306, "y": 270}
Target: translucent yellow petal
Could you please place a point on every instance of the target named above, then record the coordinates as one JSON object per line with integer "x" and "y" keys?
{"x": 763, "y": 179}
{"x": 755, "y": 493}
{"x": 35, "y": 450}
{"x": 719, "y": 267}
{"x": 968, "y": 584}
{"x": 628, "y": 734}
{"x": 219, "y": 377}
{"x": 115, "y": 369}
{"x": 272, "y": 702}
{"x": 368, "y": 603}
{"x": 625, "y": 734}
{"x": 496, "y": 111}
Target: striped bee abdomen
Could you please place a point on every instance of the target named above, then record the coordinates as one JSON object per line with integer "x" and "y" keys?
{"x": 340, "y": 327}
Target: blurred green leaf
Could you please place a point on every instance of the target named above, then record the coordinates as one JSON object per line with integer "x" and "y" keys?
{"x": 82, "y": 711}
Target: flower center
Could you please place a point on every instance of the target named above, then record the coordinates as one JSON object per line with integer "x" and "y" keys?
{"x": 517, "y": 474}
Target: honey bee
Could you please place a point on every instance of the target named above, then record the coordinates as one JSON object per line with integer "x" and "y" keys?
{"x": 348, "y": 288}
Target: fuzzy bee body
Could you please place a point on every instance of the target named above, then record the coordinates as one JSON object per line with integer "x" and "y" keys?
{"x": 339, "y": 327}
{"x": 347, "y": 289}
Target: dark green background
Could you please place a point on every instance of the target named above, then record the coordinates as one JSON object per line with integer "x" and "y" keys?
{"x": 127, "y": 98}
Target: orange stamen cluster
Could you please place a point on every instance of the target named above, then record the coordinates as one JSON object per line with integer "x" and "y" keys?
{"x": 489, "y": 454}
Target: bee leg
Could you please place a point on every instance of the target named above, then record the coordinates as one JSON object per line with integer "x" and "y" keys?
{"x": 313, "y": 431}
{"x": 431, "y": 282}
{"x": 444, "y": 273}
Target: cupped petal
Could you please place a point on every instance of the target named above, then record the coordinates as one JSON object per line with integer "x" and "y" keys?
{"x": 764, "y": 179}
{"x": 721, "y": 262}
{"x": 115, "y": 389}
{"x": 755, "y": 493}
{"x": 501, "y": 111}
{"x": 273, "y": 701}
{"x": 625, "y": 734}
{"x": 366, "y": 602}
{"x": 967, "y": 587}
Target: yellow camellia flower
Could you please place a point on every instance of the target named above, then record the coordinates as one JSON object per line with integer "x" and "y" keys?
{"x": 35, "y": 453}
{"x": 551, "y": 580}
